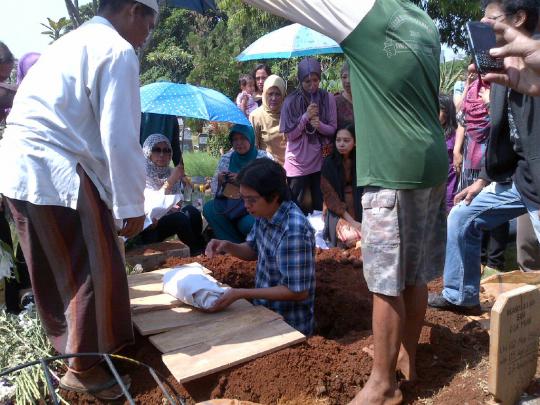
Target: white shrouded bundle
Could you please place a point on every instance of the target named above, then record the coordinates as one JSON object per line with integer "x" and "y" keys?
{"x": 192, "y": 286}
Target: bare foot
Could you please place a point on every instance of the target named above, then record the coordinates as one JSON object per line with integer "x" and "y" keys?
{"x": 403, "y": 366}
{"x": 375, "y": 393}
{"x": 91, "y": 381}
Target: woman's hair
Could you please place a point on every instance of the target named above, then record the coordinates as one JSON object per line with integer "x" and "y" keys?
{"x": 5, "y": 54}
{"x": 266, "y": 177}
{"x": 259, "y": 67}
{"x": 511, "y": 7}
{"x": 244, "y": 79}
{"x": 345, "y": 68}
{"x": 349, "y": 128}
{"x": 446, "y": 105}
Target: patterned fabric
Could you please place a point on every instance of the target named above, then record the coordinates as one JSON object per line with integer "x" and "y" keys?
{"x": 286, "y": 256}
{"x": 78, "y": 275}
{"x": 156, "y": 175}
{"x": 403, "y": 237}
{"x": 224, "y": 165}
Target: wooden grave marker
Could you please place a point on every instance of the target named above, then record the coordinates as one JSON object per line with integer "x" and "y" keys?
{"x": 513, "y": 347}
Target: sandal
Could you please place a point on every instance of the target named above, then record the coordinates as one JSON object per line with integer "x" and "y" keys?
{"x": 96, "y": 391}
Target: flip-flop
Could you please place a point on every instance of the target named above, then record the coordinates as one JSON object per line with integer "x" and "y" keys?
{"x": 95, "y": 391}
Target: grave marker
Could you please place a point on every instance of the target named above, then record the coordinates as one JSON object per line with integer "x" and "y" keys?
{"x": 513, "y": 347}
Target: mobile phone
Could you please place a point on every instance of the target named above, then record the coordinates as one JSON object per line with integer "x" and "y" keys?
{"x": 481, "y": 38}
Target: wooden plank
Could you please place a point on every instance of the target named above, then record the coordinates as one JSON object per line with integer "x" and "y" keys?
{"x": 514, "y": 277}
{"x": 243, "y": 345}
{"x": 154, "y": 303}
{"x": 150, "y": 323}
{"x": 212, "y": 332}
{"x": 145, "y": 290}
{"x": 513, "y": 343}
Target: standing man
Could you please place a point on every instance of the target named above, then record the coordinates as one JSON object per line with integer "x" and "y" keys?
{"x": 72, "y": 154}
{"x": 282, "y": 242}
{"x": 393, "y": 51}
{"x": 512, "y": 152}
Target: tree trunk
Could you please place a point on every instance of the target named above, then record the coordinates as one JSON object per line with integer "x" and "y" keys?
{"x": 73, "y": 12}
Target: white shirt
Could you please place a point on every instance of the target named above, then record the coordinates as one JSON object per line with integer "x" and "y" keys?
{"x": 79, "y": 104}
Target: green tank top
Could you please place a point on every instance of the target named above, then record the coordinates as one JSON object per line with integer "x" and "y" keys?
{"x": 394, "y": 69}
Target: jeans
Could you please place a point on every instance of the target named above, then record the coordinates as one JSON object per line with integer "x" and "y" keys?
{"x": 495, "y": 205}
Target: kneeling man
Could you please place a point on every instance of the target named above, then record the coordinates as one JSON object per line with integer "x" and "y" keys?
{"x": 283, "y": 243}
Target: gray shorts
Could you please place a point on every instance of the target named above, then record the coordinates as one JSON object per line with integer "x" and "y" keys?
{"x": 403, "y": 237}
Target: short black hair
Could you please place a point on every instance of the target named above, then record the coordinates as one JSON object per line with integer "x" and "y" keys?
{"x": 5, "y": 54}
{"x": 116, "y": 5}
{"x": 244, "y": 79}
{"x": 446, "y": 104}
{"x": 530, "y": 7}
{"x": 266, "y": 177}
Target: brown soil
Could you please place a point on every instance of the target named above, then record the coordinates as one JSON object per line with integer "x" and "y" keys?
{"x": 330, "y": 367}
{"x": 154, "y": 248}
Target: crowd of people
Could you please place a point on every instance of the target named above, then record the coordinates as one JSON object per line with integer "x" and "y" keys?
{"x": 372, "y": 158}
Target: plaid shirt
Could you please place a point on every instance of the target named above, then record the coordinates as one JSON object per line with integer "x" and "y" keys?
{"x": 286, "y": 256}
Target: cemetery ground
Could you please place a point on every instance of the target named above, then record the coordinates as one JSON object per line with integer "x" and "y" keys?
{"x": 331, "y": 366}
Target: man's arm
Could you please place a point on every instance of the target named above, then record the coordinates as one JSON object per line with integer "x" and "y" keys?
{"x": 118, "y": 103}
{"x": 241, "y": 250}
{"x": 335, "y": 19}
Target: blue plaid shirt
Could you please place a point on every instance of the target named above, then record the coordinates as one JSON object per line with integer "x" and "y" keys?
{"x": 286, "y": 256}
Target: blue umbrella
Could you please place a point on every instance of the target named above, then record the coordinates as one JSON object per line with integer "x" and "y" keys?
{"x": 289, "y": 41}
{"x": 185, "y": 100}
{"x": 201, "y": 6}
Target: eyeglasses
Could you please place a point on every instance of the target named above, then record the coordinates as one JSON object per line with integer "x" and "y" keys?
{"x": 250, "y": 199}
{"x": 496, "y": 18}
{"x": 165, "y": 151}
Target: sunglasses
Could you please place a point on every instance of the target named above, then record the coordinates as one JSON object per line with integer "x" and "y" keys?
{"x": 159, "y": 150}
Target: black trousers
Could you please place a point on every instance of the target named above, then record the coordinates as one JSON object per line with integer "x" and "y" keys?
{"x": 494, "y": 246}
{"x": 299, "y": 189}
{"x": 186, "y": 224}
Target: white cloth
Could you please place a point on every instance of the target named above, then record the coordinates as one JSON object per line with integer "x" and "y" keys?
{"x": 334, "y": 18}
{"x": 190, "y": 285}
{"x": 157, "y": 204}
{"x": 79, "y": 104}
{"x": 316, "y": 221}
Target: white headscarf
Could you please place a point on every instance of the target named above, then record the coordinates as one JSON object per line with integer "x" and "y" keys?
{"x": 156, "y": 175}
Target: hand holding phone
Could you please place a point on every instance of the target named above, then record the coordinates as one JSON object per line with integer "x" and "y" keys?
{"x": 481, "y": 38}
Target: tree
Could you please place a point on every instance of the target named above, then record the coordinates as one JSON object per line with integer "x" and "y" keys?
{"x": 451, "y": 16}
{"x": 55, "y": 29}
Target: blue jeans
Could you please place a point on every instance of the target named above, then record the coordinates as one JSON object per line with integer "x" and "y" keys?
{"x": 495, "y": 205}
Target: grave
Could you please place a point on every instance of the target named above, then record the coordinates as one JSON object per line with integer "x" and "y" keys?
{"x": 513, "y": 348}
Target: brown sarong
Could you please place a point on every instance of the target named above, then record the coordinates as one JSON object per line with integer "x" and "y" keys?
{"x": 77, "y": 273}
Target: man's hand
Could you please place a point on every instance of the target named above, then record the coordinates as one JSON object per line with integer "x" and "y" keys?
{"x": 132, "y": 227}
{"x": 215, "y": 247}
{"x": 521, "y": 60}
{"x": 468, "y": 194}
{"x": 225, "y": 300}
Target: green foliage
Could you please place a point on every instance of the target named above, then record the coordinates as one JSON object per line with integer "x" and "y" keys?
{"x": 55, "y": 29}
{"x": 450, "y": 73}
{"x": 219, "y": 141}
{"x": 451, "y": 16}
{"x": 22, "y": 339}
{"x": 200, "y": 164}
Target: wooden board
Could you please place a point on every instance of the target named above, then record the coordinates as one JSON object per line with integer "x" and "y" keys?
{"x": 513, "y": 345}
{"x": 154, "y": 303}
{"x": 163, "y": 251}
{"x": 214, "y": 331}
{"x": 239, "y": 346}
{"x": 150, "y": 323}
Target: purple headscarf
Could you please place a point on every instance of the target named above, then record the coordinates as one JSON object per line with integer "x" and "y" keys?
{"x": 25, "y": 63}
{"x": 297, "y": 102}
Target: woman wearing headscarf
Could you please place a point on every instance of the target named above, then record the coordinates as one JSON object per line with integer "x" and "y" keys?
{"x": 185, "y": 222}
{"x": 25, "y": 63}
{"x": 265, "y": 119}
{"x": 308, "y": 120}
{"x": 243, "y": 151}
{"x": 344, "y": 102}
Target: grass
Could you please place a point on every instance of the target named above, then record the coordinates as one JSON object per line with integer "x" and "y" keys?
{"x": 199, "y": 164}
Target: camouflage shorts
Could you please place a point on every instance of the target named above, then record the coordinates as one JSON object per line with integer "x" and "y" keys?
{"x": 403, "y": 237}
